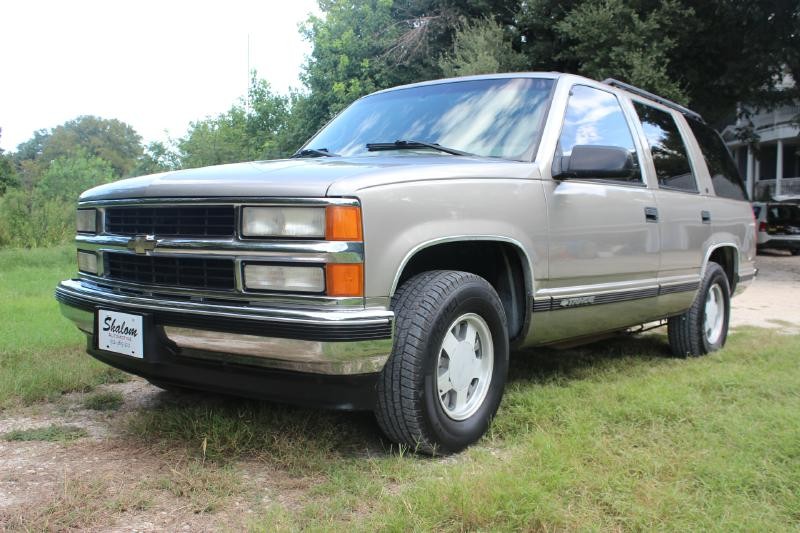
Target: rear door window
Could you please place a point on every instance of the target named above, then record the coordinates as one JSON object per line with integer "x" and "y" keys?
{"x": 670, "y": 155}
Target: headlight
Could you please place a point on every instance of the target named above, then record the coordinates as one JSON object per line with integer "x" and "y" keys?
{"x": 87, "y": 262}
{"x": 307, "y": 222}
{"x": 284, "y": 278}
{"x": 87, "y": 220}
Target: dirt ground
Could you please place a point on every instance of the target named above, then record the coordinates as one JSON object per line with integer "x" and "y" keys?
{"x": 48, "y": 485}
{"x": 773, "y": 299}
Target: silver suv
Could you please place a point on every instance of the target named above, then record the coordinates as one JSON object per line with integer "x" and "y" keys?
{"x": 395, "y": 261}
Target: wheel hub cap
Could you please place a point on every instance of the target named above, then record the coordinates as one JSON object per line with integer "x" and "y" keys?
{"x": 464, "y": 366}
{"x": 714, "y": 314}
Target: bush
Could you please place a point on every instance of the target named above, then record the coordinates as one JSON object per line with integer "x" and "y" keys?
{"x": 30, "y": 220}
{"x": 45, "y": 214}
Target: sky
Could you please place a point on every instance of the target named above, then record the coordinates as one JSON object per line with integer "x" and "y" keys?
{"x": 156, "y": 65}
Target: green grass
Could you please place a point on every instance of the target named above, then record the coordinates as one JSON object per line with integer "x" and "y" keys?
{"x": 614, "y": 436}
{"x": 51, "y": 433}
{"x": 41, "y": 353}
{"x": 104, "y": 401}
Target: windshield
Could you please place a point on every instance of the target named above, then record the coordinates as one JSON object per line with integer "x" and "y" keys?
{"x": 491, "y": 118}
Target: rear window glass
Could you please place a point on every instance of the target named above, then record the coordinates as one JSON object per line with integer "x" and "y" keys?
{"x": 724, "y": 174}
{"x": 783, "y": 214}
{"x": 669, "y": 152}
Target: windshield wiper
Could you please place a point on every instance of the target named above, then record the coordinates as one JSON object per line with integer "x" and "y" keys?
{"x": 411, "y": 144}
{"x": 314, "y": 152}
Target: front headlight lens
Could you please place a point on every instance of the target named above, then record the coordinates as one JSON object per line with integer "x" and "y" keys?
{"x": 284, "y": 278}
{"x": 304, "y": 222}
{"x": 87, "y": 262}
{"x": 87, "y": 220}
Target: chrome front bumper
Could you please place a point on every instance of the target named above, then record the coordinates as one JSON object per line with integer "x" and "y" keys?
{"x": 333, "y": 342}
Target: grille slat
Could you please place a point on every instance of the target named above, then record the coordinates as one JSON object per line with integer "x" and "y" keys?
{"x": 172, "y": 221}
{"x": 189, "y": 272}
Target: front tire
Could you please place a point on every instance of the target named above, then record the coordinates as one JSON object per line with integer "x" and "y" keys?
{"x": 444, "y": 381}
{"x": 704, "y": 327}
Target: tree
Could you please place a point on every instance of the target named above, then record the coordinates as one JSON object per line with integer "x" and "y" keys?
{"x": 109, "y": 139}
{"x": 364, "y": 46}
{"x": 251, "y": 129}
{"x": 157, "y": 157}
{"x": 8, "y": 173}
{"x": 710, "y": 55}
{"x": 32, "y": 149}
{"x": 481, "y": 47}
{"x": 67, "y": 177}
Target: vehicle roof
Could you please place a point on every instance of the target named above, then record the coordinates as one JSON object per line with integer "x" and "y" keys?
{"x": 611, "y": 83}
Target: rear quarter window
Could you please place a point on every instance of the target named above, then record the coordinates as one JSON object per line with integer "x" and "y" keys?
{"x": 724, "y": 174}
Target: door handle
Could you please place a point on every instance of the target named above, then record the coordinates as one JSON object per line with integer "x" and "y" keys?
{"x": 706, "y": 216}
{"x": 651, "y": 214}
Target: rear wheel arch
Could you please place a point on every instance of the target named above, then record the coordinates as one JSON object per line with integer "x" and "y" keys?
{"x": 726, "y": 255}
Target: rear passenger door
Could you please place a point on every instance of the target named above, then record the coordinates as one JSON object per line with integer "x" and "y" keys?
{"x": 684, "y": 219}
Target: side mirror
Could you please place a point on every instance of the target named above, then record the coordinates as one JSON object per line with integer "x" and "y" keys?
{"x": 585, "y": 161}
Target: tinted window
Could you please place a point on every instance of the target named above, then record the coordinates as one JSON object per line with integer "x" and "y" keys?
{"x": 783, "y": 214}
{"x": 595, "y": 118}
{"x": 493, "y": 118}
{"x": 724, "y": 174}
{"x": 669, "y": 152}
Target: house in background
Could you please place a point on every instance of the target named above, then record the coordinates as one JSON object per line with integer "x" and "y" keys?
{"x": 772, "y": 168}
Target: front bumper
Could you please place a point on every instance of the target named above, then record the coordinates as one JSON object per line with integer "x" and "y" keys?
{"x": 335, "y": 342}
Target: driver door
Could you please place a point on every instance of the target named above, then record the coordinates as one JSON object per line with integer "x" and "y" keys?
{"x": 604, "y": 248}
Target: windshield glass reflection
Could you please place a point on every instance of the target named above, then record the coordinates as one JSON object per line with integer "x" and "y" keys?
{"x": 491, "y": 118}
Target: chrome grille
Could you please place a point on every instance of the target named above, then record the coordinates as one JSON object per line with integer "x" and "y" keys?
{"x": 189, "y": 272}
{"x": 172, "y": 221}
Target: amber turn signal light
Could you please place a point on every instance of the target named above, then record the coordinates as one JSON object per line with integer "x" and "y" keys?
{"x": 343, "y": 223}
{"x": 345, "y": 279}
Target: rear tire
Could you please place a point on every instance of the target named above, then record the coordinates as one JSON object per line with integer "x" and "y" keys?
{"x": 795, "y": 252}
{"x": 704, "y": 327}
{"x": 444, "y": 381}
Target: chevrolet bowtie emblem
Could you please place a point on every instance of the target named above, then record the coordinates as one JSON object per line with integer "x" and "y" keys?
{"x": 141, "y": 244}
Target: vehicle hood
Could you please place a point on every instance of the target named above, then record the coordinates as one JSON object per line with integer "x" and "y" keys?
{"x": 316, "y": 177}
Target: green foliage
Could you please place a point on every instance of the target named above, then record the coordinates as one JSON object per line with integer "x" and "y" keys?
{"x": 45, "y": 214}
{"x": 29, "y": 219}
{"x": 364, "y": 46}
{"x": 104, "y": 401}
{"x": 51, "y": 433}
{"x": 709, "y": 55}
{"x": 481, "y": 47}
{"x": 250, "y": 130}
{"x": 157, "y": 157}
{"x": 32, "y": 149}
{"x": 111, "y": 140}
{"x": 613, "y": 38}
{"x": 68, "y": 176}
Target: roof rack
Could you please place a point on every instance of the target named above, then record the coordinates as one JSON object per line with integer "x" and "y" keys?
{"x": 647, "y": 94}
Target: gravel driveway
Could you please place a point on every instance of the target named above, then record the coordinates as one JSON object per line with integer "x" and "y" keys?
{"x": 773, "y": 299}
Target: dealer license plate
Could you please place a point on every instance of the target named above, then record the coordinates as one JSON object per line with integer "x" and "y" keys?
{"x": 120, "y": 333}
